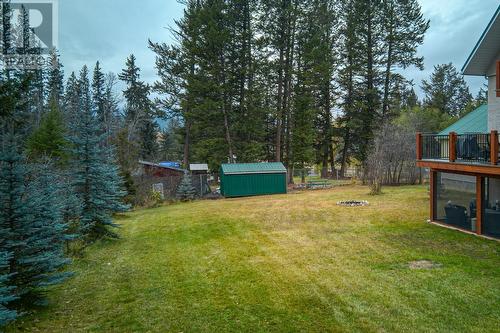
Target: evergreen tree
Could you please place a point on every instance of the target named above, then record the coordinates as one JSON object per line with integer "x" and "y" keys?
{"x": 170, "y": 143}
{"x": 139, "y": 113}
{"x": 446, "y": 90}
{"x": 186, "y": 190}
{"x": 480, "y": 99}
{"x": 98, "y": 93}
{"x": 71, "y": 99}
{"x": 47, "y": 200}
{"x": 370, "y": 31}
{"x": 111, "y": 112}
{"x": 404, "y": 30}
{"x": 49, "y": 139}
{"x": 176, "y": 66}
{"x": 55, "y": 84}
{"x": 95, "y": 177}
{"x": 32, "y": 228}
{"x": 350, "y": 93}
{"x": 6, "y": 295}
{"x": 84, "y": 93}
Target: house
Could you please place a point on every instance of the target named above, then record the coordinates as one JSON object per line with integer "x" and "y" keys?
{"x": 464, "y": 159}
{"x": 160, "y": 177}
{"x": 159, "y": 170}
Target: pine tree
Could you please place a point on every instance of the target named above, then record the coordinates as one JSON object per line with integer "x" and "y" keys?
{"x": 371, "y": 33}
{"x": 404, "y": 30}
{"x": 170, "y": 143}
{"x": 139, "y": 113}
{"x": 186, "y": 190}
{"x": 49, "y": 139}
{"x": 176, "y": 67}
{"x": 350, "y": 90}
{"x": 446, "y": 90}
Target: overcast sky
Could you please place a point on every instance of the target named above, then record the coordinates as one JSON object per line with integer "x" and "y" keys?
{"x": 110, "y": 30}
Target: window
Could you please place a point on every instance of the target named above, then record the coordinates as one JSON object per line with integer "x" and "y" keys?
{"x": 455, "y": 198}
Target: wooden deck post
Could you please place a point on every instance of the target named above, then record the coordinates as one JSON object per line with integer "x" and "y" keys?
{"x": 419, "y": 146}
{"x": 433, "y": 184}
{"x": 452, "y": 142}
{"x": 479, "y": 204}
{"x": 494, "y": 147}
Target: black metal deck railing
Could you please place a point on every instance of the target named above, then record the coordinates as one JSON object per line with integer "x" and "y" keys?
{"x": 475, "y": 148}
{"x": 435, "y": 147}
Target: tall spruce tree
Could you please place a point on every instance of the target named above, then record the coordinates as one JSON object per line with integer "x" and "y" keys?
{"x": 139, "y": 112}
{"x": 55, "y": 80}
{"x": 6, "y": 292}
{"x": 186, "y": 190}
{"x": 71, "y": 99}
{"x": 98, "y": 93}
{"x": 32, "y": 228}
{"x": 95, "y": 176}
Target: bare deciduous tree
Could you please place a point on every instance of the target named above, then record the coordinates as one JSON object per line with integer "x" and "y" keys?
{"x": 392, "y": 158}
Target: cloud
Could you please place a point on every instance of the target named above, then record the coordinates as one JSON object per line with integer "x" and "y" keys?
{"x": 455, "y": 27}
{"x": 111, "y": 30}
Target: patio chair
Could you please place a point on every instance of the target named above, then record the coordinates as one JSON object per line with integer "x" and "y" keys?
{"x": 457, "y": 216}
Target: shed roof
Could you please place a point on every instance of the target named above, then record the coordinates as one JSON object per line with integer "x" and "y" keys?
{"x": 486, "y": 49}
{"x": 249, "y": 168}
{"x": 198, "y": 167}
{"x": 473, "y": 122}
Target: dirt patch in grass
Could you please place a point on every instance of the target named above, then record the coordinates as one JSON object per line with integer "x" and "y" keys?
{"x": 424, "y": 264}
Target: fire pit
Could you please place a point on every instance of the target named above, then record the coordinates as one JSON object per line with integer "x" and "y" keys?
{"x": 353, "y": 203}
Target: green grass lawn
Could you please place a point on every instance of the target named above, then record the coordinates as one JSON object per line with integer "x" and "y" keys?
{"x": 289, "y": 263}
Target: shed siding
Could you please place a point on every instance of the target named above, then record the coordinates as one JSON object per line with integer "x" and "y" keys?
{"x": 242, "y": 185}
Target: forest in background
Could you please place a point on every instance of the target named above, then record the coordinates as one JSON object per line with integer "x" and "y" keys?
{"x": 305, "y": 82}
{"x": 302, "y": 82}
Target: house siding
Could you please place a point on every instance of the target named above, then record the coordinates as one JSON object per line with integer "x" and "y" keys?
{"x": 493, "y": 100}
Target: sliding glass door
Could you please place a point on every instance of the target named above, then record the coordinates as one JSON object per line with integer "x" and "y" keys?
{"x": 455, "y": 200}
{"x": 491, "y": 216}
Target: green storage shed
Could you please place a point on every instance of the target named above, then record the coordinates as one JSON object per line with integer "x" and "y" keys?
{"x": 248, "y": 179}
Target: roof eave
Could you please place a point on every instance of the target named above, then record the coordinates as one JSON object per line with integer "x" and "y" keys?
{"x": 465, "y": 68}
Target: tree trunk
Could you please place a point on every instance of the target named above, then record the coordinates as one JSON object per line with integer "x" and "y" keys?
{"x": 343, "y": 167}
{"x": 387, "y": 81}
{"x": 226, "y": 108}
{"x": 187, "y": 138}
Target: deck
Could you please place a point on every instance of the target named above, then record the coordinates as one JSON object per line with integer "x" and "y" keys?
{"x": 475, "y": 153}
